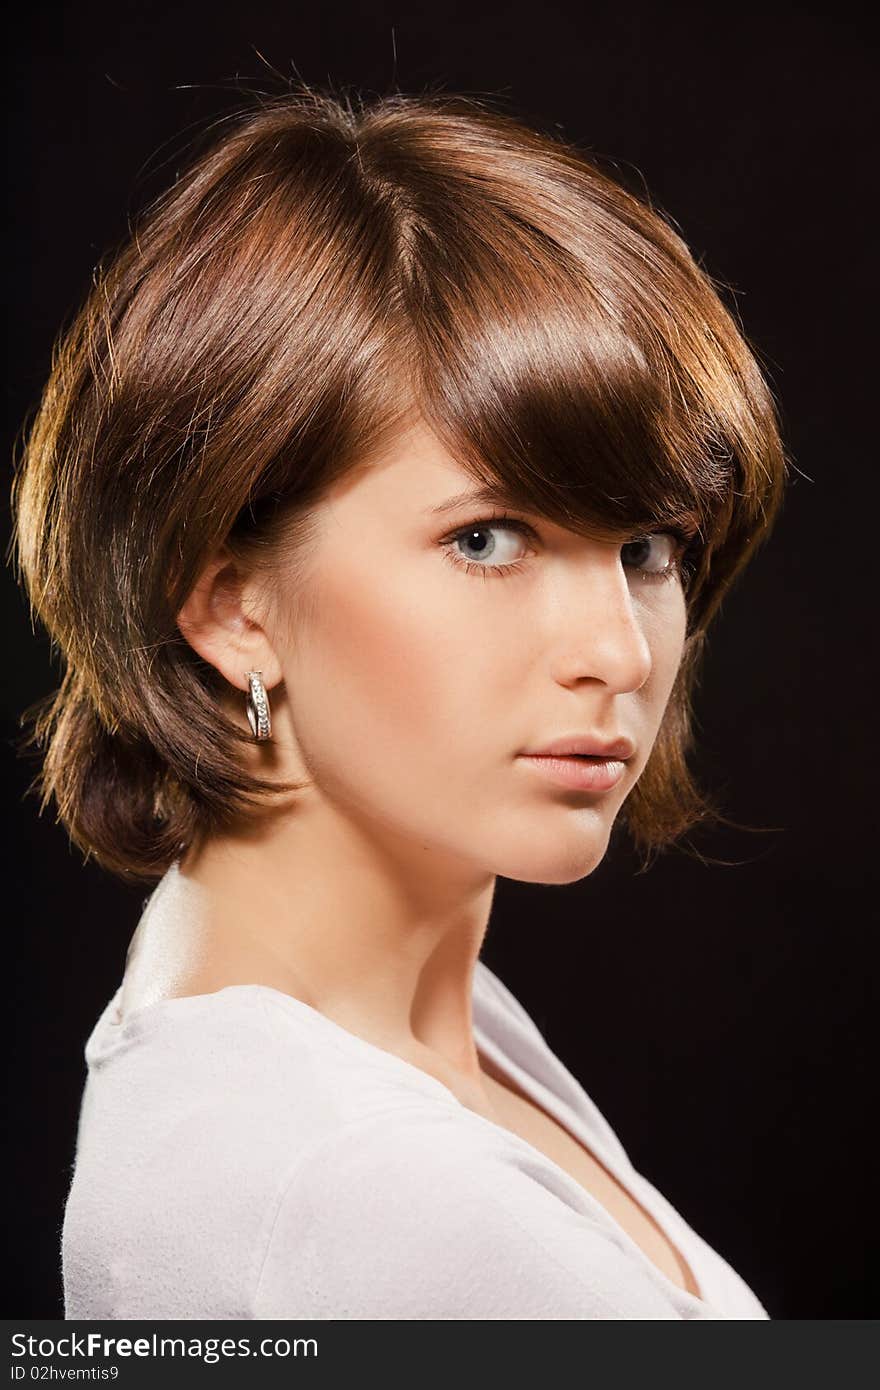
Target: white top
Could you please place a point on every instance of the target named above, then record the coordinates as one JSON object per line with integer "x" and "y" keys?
{"x": 241, "y": 1155}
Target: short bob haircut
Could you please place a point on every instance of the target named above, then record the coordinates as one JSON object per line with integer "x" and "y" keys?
{"x": 315, "y": 274}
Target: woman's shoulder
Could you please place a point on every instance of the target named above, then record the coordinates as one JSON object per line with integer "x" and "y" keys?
{"x": 242, "y": 1050}
{"x": 196, "y": 1110}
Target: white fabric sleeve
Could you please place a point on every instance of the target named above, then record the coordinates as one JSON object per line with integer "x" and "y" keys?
{"x": 414, "y": 1215}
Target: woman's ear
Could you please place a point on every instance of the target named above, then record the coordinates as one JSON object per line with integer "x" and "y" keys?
{"x": 216, "y": 622}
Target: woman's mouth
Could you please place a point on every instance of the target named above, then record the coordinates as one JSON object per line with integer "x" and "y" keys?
{"x": 581, "y": 771}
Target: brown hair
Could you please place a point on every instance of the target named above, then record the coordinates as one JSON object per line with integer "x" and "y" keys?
{"x": 275, "y": 314}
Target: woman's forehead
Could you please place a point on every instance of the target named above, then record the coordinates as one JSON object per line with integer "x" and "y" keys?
{"x": 416, "y": 468}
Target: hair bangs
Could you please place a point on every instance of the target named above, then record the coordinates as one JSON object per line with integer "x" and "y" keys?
{"x": 578, "y": 411}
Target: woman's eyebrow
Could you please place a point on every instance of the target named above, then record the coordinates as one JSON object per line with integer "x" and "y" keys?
{"x": 490, "y": 495}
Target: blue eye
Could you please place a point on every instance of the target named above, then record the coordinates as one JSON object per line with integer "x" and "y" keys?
{"x": 477, "y": 537}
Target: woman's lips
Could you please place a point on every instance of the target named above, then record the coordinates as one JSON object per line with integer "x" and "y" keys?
{"x": 584, "y": 774}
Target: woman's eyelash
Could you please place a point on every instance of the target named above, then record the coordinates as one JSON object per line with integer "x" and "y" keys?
{"x": 503, "y": 521}
{"x": 500, "y": 521}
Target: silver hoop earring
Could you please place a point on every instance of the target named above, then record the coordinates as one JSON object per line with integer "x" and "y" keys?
{"x": 258, "y": 713}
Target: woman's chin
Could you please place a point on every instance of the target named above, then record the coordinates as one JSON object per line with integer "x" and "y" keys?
{"x": 557, "y": 863}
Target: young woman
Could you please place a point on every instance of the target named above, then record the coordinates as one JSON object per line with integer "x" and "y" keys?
{"x": 379, "y": 502}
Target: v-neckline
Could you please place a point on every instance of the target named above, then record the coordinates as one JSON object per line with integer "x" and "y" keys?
{"x": 565, "y": 1115}
{"x": 545, "y": 1099}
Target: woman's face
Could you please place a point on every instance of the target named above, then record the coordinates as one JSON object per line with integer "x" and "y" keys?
{"x": 412, "y": 684}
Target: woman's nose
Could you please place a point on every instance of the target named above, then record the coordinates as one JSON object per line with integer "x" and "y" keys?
{"x": 597, "y": 630}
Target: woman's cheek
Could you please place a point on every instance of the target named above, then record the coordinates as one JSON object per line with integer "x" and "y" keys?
{"x": 377, "y": 659}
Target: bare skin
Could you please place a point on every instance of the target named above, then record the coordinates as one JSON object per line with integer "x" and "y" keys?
{"x": 402, "y": 689}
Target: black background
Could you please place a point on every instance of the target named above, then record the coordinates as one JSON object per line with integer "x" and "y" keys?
{"x": 718, "y": 1015}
